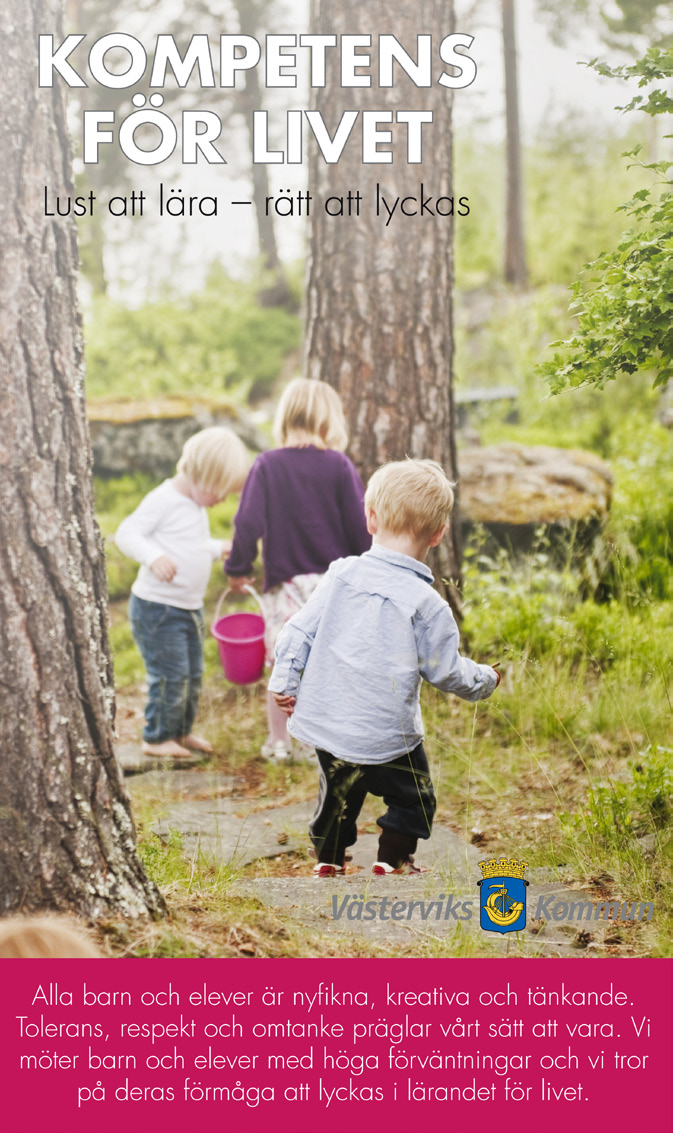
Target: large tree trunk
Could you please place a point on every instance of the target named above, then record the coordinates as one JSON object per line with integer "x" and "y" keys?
{"x": 379, "y": 316}
{"x": 66, "y": 835}
{"x": 515, "y": 241}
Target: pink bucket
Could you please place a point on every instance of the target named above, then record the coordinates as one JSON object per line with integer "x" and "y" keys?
{"x": 240, "y": 640}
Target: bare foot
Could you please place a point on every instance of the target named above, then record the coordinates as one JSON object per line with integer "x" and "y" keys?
{"x": 196, "y": 743}
{"x": 167, "y": 748}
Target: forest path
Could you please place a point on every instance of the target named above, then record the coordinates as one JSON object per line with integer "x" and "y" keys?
{"x": 263, "y": 846}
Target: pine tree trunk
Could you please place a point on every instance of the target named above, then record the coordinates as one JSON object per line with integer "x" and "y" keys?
{"x": 379, "y": 314}
{"x": 251, "y": 22}
{"x": 516, "y": 270}
{"x": 66, "y": 835}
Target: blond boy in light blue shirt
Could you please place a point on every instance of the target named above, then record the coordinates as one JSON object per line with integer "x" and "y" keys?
{"x": 350, "y": 665}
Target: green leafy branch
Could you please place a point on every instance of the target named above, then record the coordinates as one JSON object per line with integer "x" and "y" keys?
{"x": 624, "y": 300}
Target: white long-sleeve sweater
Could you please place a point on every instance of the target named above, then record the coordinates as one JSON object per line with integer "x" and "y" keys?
{"x": 167, "y": 522}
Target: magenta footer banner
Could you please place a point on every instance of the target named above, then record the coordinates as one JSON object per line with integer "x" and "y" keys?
{"x": 313, "y": 1046}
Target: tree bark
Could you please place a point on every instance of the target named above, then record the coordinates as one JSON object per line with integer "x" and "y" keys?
{"x": 379, "y": 310}
{"x": 516, "y": 270}
{"x": 67, "y": 839}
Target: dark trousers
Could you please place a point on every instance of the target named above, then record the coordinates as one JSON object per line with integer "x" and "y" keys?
{"x": 405, "y": 786}
{"x": 171, "y": 643}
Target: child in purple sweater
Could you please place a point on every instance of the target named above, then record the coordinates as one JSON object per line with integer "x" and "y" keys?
{"x": 304, "y": 500}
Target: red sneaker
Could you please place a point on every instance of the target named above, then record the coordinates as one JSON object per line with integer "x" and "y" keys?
{"x": 328, "y": 869}
{"x": 381, "y": 869}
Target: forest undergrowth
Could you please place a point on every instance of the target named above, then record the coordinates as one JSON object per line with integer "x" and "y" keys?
{"x": 568, "y": 765}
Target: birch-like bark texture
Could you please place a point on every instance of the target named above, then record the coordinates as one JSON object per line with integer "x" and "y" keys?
{"x": 67, "y": 839}
{"x": 379, "y": 310}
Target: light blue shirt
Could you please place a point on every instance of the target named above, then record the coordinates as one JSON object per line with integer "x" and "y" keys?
{"x": 356, "y": 654}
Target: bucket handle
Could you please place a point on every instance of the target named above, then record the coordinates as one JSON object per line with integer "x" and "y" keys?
{"x": 248, "y": 590}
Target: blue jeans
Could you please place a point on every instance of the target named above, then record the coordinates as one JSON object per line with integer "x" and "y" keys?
{"x": 171, "y": 643}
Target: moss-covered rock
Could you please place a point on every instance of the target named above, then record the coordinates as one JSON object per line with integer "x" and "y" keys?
{"x": 532, "y": 484}
{"x": 526, "y": 498}
{"x": 148, "y": 436}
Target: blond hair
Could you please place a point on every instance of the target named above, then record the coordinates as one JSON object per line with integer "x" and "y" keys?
{"x": 310, "y": 412}
{"x": 410, "y": 496}
{"x": 50, "y": 938}
{"x": 215, "y": 460}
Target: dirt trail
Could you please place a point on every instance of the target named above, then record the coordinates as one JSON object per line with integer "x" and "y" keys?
{"x": 216, "y": 820}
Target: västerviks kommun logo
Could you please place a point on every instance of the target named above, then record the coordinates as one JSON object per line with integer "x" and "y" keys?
{"x": 503, "y": 895}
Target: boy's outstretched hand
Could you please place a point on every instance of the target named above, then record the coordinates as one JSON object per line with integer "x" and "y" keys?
{"x": 164, "y": 568}
{"x": 285, "y": 703}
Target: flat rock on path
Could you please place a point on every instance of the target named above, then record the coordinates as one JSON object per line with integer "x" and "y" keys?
{"x": 133, "y": 761}
{"x": 179, "y": 785}
{"x": 323, "y": 904}
{"x": 233, "y": 832}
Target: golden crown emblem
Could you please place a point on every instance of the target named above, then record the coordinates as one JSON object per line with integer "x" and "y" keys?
{"x": 503, "y": 867}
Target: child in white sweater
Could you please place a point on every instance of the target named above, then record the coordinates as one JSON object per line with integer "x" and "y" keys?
{"x": 169, "y": 535}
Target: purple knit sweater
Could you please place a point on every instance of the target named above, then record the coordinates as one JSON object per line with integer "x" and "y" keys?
{"x": 306, "y": 505}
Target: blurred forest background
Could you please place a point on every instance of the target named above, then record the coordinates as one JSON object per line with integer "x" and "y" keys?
{"x": 571, "y": 764}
